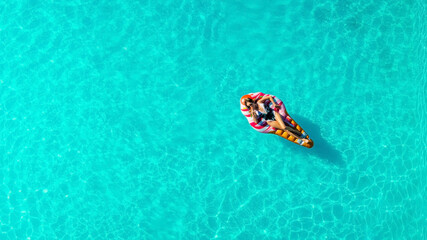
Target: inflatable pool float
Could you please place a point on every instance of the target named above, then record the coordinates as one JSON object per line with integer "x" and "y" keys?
{"x": 262, "y": 125}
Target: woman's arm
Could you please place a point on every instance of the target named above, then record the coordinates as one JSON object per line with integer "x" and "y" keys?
{"x": 266, "y": 98}
{"x": 254, "y": 116}
{"x": 263, "y": 99}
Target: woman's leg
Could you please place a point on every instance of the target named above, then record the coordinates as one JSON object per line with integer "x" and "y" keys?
{"x": 283, "y": 126}
{"x": 293, "y": 130}
{"x": 277, "y": 125}
{"x": 279, "y": 119}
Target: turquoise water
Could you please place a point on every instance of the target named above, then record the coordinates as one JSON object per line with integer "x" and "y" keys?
{"x": 121, "y": 120}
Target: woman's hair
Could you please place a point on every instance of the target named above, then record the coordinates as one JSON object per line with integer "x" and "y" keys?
{"x": 248, "y": 100}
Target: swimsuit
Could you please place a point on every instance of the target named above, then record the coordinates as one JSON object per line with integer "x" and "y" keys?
{"x": 268, "y": 115}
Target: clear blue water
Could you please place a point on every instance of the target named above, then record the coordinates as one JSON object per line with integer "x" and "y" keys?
{"x": 121, "y": 119}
